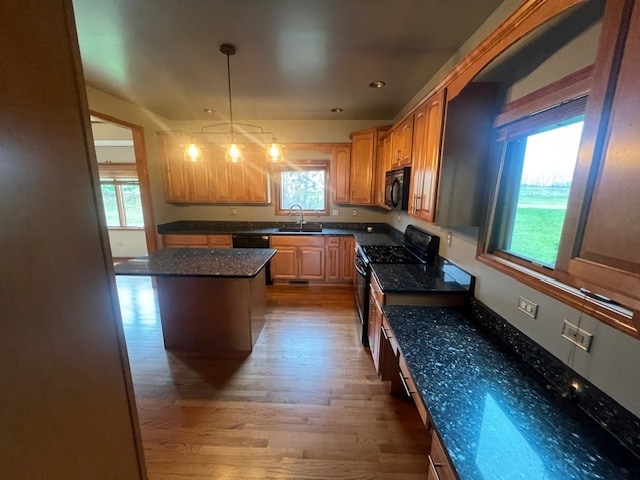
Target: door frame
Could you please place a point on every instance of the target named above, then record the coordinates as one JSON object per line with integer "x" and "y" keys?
{"x": 140, "y": 152}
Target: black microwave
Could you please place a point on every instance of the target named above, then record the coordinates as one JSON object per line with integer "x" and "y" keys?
{"x": 396, "y": 189}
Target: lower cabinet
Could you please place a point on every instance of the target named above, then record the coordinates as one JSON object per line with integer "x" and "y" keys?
{"x": 439, "y": 466}
{"x": 196, "y": 241}
{"x": 340, "y": 251}
{"x": 299, "y": 257}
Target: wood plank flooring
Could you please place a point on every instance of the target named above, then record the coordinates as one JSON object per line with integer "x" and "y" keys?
{"x": 306, "y": 404}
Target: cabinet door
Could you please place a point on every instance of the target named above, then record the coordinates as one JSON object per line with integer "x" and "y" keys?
{"x": 284, "y": 264}
{"x": 341, "y": 174}
{"x": 384, "y": 165}
{"x": 312, "y": 262}
{"x": 363, "y": 151}
{"x": 200, "y": 184}
{"x": 426, "y": 157}
{"x": 608, "y": 168}
{"x": 396, "y": 146}
{"x": 375, "y": 323}
{"x": 174, "y": 167}
{"x": 406, "y": 139}
{"x": 256, "y": 176}
{"x": 333, "y": 259}
{"x": 347, "y": 250}
{"x": 221, "y": 175}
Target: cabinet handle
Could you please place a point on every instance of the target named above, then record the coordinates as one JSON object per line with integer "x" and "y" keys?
{"x": 432, "y": 467}
{"x": 384, "y": 334}
{"x": 404, "y": 384}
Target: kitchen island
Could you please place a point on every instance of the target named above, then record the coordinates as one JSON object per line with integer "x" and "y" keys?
{"x": 210, "y": 300}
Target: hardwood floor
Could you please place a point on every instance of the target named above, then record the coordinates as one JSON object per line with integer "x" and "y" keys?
{"x": 306, "y": 404}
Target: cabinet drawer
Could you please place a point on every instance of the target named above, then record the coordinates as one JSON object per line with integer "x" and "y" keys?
{"x": 297, "y": 240}
{"x": 389, "y": 335}
{"x": 220, "y": 241}
{"x": 412, "y": 391}
{"x": 376, "y": 291}
{"x": 185, "y": 241}
{"x": 439, "y": 466}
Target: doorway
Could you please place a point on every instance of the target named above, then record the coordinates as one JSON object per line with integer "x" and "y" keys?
{"x": 124, "y": 182}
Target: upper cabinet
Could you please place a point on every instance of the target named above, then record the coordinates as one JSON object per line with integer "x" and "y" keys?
{"x": 401, "y": 143}
{"x": 213, "y": 180}
{"x": 604, "y": 207}
{"x": 340, "y": 174}
{"x": 361, "y": 171}
{"x": 451, "y": 147}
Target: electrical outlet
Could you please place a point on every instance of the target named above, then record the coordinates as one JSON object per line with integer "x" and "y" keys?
{"x": 527, "y": 306}
{"x": 576, "y": 335}
{"x": 449, "y": 238}
{"x": 335, "y": 212}
{"x": 398, "y": 220}
{"x": 234, "y": 211}
{"x": 355, "y": 212}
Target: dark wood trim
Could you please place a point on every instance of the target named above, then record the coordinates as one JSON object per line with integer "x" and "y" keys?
{"x": 569, "y": 88}
{"x": 626, "y": 322}
{"x": 142, "y": 168}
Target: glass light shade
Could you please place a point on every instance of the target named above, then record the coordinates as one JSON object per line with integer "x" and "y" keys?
{"x": 234, "y": 153}
{"x": 274, "y": 153}
{"x": 193, "y": 153}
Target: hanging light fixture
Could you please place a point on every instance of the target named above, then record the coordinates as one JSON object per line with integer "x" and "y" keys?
{"x": 233, "y": 151}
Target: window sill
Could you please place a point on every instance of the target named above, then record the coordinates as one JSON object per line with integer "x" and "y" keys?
{"x": 136, "y": 229}
{"x": 616, "y": 316}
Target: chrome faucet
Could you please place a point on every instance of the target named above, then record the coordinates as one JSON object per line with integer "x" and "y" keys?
{"x": 302, "y": 222}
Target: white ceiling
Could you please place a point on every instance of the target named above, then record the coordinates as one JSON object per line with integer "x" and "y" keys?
{"x": 296, "y": 59}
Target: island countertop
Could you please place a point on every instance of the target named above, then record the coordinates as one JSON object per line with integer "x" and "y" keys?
{"x": 199, "y": 262}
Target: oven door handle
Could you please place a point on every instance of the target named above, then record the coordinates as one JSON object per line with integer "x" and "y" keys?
{"x": 359, "y": 267}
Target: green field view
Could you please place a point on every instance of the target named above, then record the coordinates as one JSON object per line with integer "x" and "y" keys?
{"x": 538, "y": 223}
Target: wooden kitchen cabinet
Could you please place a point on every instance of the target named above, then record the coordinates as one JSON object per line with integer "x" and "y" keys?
{"x": 196, "y": 241}
{"x": 362, "y": 166}
{"x": 605, "y": 199}
{"x": 382, "y": 167}
{"x": 451, "y": 159}
{"x": 341, "y": 174}
{"x": 439, "y": 465}
{"x": 340, "y": 251}
{"x": 185, "y": 241}
{"x": 175, "y": 169}
{"x": 299, "y": 257}
{"x": 426, "y": 157}
{"x": 401, "y": 144}
{"x": 376, "y": 300}
{"x": 213, "y": 180}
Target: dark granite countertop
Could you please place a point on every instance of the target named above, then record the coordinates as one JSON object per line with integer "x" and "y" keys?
{"x": 441, "y": 277}
{"x": 381, "y": 233}
{"x": 199, "y": 262}
{"x": 495, "y": 418}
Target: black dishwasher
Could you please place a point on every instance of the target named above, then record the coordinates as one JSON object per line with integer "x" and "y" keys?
{"x": 254, "y": 240}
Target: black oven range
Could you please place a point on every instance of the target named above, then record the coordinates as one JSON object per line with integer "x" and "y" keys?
{"x": 419, "y": 247}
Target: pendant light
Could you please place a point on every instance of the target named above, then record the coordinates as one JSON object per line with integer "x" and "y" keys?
{"x": 233, "y": 150}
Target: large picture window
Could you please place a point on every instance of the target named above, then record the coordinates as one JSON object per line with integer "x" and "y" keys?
{"x": 304, "y": 184}
{"x": 538, "y": 170}
{"x": 537, "y": 160}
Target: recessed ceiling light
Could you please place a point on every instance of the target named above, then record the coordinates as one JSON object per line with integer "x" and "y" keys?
{"x": 208, "y": 110}
{"x": 377, "y": 84}
{"x": 337, "y": 110}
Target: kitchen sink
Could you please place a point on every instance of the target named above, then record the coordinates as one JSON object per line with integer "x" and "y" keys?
{"x": 306, "y": 228}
